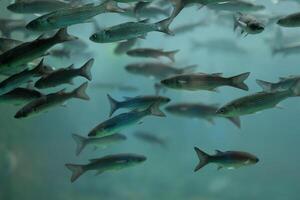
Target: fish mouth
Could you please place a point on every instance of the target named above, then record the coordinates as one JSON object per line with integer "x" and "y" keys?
{"x": 142, "y": 158}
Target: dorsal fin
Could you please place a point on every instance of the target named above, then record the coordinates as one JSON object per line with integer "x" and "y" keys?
{"x": 218, "y": 152}
{"x": 71, "y": 66}
{"x": 144, "y": 21}
{"x": 217, "y": 74}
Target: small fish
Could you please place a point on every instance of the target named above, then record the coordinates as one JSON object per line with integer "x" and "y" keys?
{"x": 227, "y": 159}
{"x": 65, "y": 76}
{"x": 115, "y": 86}
{"x": 130, "y": 30}
{"x": 61, "y": 53}
{"x": 283, "y": 84}
{"x": 123, "y": 47}
{"x": 248, "y": 24}
{"x": 121, "y": 121}
{"x": 287, "y": 49}
{"x": 208, "y": 82}
{"x": 157, "y": 70}
{"x": 257, "y": 102}
{"x": 150, "y": 138}
{"x": 106, "y": 163}
{"x": 37, "y": 6}
{"x": 70, "y": 16}
{"x": 18, "y": 79}
{"x": 199, "y": 111}
{"x": 102, "y": 142}
{"x": 152, "y": 53}
{"x": 292, "y": 20}
{"x": 14, "y": 58}
{"x": 236, "y": 6}
{"x": 7, "y": 44}
{"x": 20, "y": 96}
{"x": 46, "y": 102}
{"x": 136, "y": 103}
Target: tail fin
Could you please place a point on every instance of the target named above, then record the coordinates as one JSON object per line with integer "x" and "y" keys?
{"x": 114, "y": 105}
{"x": 63, "y": 36}
{"x": 171, "y": 54}
{"x": 266, "y": 86}
{"x": 154, "y": 110}
{"x": 203, "y": 159}
{"x": 188, "y": 69}
{"x": 80, "y": 92}
{"x": 80, "y": 141}
{"x": 163, "y": 26}
{"x": 85, "y": 70}
{"x": 235, "y": 120}
{"x": 77, "y": 171}
{"x": 296, "y": 89}
{"x": 112, "y": 6}
{"x": 238, "y": 81}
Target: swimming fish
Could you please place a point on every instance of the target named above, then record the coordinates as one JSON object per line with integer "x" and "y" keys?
{"x": 20, "y": 96}
{"x": 292, "y": 20}
{"x": 248, "y": 24}
{"x": 152, "y": 53}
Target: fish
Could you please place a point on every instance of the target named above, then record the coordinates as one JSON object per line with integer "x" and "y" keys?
{"x": 101, "y": 142}
{"x": 63, "y": 18}
{"x": 37, "y": 6}
{"x": 209, "y": 82}
{"x": 123, "y": 47}
{"x": 236, "y": 6}
{"x": 46, "y": 102}
{"x": 287, "y": 49}
{"x": 292, "y": 20}
{"x": 130, "y": 30}
{"x": 248, "y": 24}
{"x": 152, "y": 53}
{"x": 18, "y": 79}
{"x": 227, "y": 159}
{"x": 9, "y": 26}
{"x": 284, "y": 83}
{"x": 65, "y": 76}
{"x": 115, "y": 86}
{"x": 157, "y": 70}
{"x": 8, "y": 43}
{"x": 106, "y": 163}
{"x": 61, "y": 53}
{"x": 150, "y": 138}
{"x": 121, "y": 121}
{"x": 20, "y": 96}
{"x": 20, "y": 55}
{"x": 199, "y": 111}
{"x": 136, "y": 103}
{"x": 257, "y": 102}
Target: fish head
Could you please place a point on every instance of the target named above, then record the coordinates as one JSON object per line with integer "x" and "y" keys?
{"x": 176, "y": 82}
{"x": 37, "y": 25}
{"x": 226, "y": 111}
{"x": 24, "y": 112}
{"x": 16, "y": 7}
{"x": 251, "y": 160}
{"x": 134, "y": 68}
{"x": 101, "y": 36}
{"x": 164, "y": 100}
{"x": 137, "y": 159}
{"x": 255, "y": 27}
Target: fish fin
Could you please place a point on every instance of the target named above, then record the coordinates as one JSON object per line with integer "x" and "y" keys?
{"x": 80, "y": 92}
{"x": 114, "y": 105}
{"x": 218, "y": 152}
{"x": 140, "y": 122}
{"x": 217, "y": 74}
{"x": 163, "y": 26}
{"x": 39, "y": 68}
{"x": 266, "y": 86}
{"x": 154, "y": 110}
{"x": 77, "y": 171}
{"x": 279, "y": 106}
{"x": 171, "y": 54}
{"x": 85, "y": 70}
{"x": 144, "y": 21}
{"x": 235, "y": 120}
{"x": 203, "y": 159}
{"x": 112, "y": 6}
{"x": 238, "y": 81}
{"x": 80, "y": 141}
{"x": 63, "y": 36}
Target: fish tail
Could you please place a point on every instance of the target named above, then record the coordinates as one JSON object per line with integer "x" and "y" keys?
{"x": 77, "y": 171}
{"x": 238, "y": 81}
{"x": 203, "y": 158}
{"x": 235, "y": 120}
{"x": 171, "y": 54}
{"x": 154, "y": 110}
{"x": 80, "y": 92}
{"x": 188, "y": 69}
{"x": 114, "y": 105}
{"x": 266, "y": 86}
{"x": 85, "y": 70}
{"x": 62, "y": 35}
{"x": 112, "y": 6}
{"x": 163, "y": 26}
{"x": 80, "y": 141}
{"x": 296, "y": 89}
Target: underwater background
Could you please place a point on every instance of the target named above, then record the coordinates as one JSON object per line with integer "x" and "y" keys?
{"x": 35, "y": 150}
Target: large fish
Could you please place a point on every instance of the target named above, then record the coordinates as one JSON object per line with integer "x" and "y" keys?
{"x": 15, "y": 58}
{"x": 47, "y": 102}
{"x": 227, "y": 159}
{"x": 292, "y": 20}
{"x": 106, "y": 163}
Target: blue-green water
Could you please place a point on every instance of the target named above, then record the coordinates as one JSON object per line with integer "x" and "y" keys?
{"x": 35, "y": 150}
